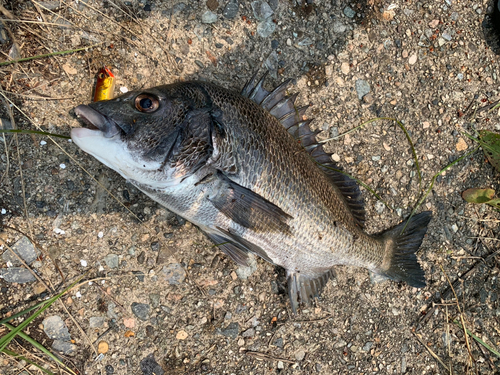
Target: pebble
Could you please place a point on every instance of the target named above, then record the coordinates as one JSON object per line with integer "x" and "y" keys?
{"x": 461, "y": 145}
{"x": 271, "y": 64}
{"x": 174, "y": 273}
{"x": 231, "y": 9}
{"x": 281, "y": 365}
{"x": 55, "y": 328}
{"x": 367, "y": 346}
{"x": 103, "y": 347}
{"x": 64, "y": 347}
{"x": 149, "y": 366}
{"x": 25, "y": 249}
{"x": 181, "y": 335}
{"x": 349, "y": 12}
{"x": 413, "y": 59}
{"x": 249, "y": 333}
{"x": 109, "y": 369}
{"x": 212, "y": 4}
{"x": 230, "y": 331}
{"x": 362, "y": 88}
{"x": 261, "y": 10}
{"x": 17, "y": 275}
{"x": 379, "y": 207}
{"x": 244, "y": 272}
{"x": 96, "y": 321}
{"x": 209, "y": 17}
{"x": 111, "y": 260}
{"x": 300, "y": 354}
{"x": 141, "y": 310}
{"x": 266, "y": 28}
{"x": 339, "y": 27}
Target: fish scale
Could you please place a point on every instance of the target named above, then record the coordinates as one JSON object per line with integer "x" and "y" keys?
{"x": 247, "y": 170}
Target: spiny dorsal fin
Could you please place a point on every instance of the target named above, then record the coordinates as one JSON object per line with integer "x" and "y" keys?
{"x": 282, "y": 107}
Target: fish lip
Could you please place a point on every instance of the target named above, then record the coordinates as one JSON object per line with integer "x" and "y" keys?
{"x": 97, "y": 121}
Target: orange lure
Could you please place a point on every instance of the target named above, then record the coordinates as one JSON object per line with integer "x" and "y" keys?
{"x": 105, "y": 86}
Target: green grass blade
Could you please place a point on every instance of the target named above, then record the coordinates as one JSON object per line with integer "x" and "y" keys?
{"x": 5, "y": 340}
{"x": 431, "y": 185}
{"x": 21, "y": 131}
{"x": 5, "y": 320}
{"x": 15, "y": 355}
{"x": 492, "y": 350}
{"x": 39, "y": 346}
{"x": 48, "y": 55}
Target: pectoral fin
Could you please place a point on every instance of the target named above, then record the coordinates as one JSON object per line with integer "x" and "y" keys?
{"x": 245, "y": 207}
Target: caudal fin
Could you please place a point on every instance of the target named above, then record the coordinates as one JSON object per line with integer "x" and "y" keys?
{"x": 401, "y": 248}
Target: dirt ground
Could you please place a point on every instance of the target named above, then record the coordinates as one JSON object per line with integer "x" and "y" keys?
{"x": 155, "y": 289}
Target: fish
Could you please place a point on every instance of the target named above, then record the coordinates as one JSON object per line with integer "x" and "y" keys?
{"x": 246, "y": 168}
{"x": 105, "y": 85}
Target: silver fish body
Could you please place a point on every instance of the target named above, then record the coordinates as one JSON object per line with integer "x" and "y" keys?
{"x": 247, "y": 170}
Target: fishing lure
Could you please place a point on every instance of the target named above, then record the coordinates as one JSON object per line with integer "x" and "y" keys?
{"x": 105, "y": 86}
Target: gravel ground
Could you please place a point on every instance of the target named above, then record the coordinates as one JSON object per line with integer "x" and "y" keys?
{"x": 160, "y": 299}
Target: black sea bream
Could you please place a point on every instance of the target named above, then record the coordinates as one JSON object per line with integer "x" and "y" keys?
{"x": 247, "y": 170}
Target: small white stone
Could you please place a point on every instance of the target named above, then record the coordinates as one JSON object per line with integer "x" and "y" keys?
{"x": 100, "y": 234}
{"x": 62, "y": 166}
{"x": 42, "y": 143}
{"x": 78, "y": 295}
{"x": 59, "y": 231}
{"x": 123, "y": 90}
{"x": 413, "y": 59}
{"x": 83, "y": 263}
{"x": 4, "y": 211}
{"x": 336, "y": 157}
{"x": 455, "y": 228}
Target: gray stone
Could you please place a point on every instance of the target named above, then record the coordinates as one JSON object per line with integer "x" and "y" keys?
{"x": 261, "y": 10}
{"x": 300, "y": 354}
{"x": 349, "y": 12}
{"x": 174, "y": 273}
{"x": 179, "y": 7}
{"x": 339, "y": 27}
{"x": 244, "y": 272}
{"x": 231, "y": 9}
{"x": 367, "y": 346}
{"x": 111, "y": 260}
{"x": 55, "y": 328}
{"x": 149, "y": 366}
{"x": 379, "y": 207}
{"x": 271, "y": 64}
{"x": 96, "y": 321}
{"x": 63, "y": 346}
{"x": 362, "y": 88}
{"x": 26, "y": 251}
{"x": 249, "y": 333}
{"x": 266, "y": 28}
{"x": 141, "y": 310}
{"x": 17, "y": 275}
{"x": 154, "y": 298}
{"x": 230, "y": 331}
{"x": 209, "y": 17}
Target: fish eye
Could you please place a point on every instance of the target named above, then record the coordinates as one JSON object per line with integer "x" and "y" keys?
{"x": 147, "y": 103}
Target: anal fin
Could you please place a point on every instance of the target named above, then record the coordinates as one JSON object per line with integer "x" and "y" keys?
{"x": 303, "y": 289}
{"x": 237, "y": 253}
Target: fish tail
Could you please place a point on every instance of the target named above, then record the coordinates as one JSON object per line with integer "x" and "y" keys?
{"x": 401, "y": 246}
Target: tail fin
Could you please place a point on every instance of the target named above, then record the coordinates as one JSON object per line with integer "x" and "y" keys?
{"x": 402, "y": 247}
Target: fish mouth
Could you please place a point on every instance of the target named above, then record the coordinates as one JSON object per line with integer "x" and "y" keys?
{"x": 97, "y": 121}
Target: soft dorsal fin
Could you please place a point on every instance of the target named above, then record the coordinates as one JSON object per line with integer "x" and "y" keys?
{"x": 282, "y": 106}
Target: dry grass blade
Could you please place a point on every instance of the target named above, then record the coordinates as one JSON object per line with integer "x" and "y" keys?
{"x": 431, "y": 352}
{"x": 267, "y": 357}
{"x": 49, "y": 54}
{"x": 461, "y": 315}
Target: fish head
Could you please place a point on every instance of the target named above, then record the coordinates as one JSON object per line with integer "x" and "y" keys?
{"x": 133, "y": 133}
